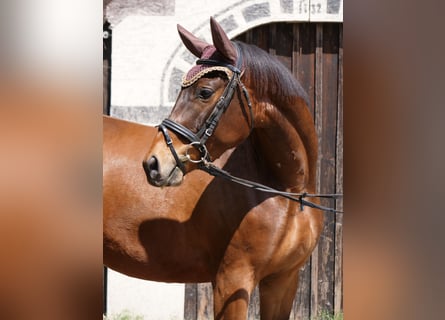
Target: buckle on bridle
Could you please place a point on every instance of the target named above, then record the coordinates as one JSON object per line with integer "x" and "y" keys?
{"x": 208, "y": 132}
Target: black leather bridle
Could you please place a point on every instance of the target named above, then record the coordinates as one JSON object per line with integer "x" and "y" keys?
{"x": 198, "y": 140}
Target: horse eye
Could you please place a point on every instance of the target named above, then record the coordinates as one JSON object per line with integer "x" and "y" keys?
{"x": 205, "y": 93}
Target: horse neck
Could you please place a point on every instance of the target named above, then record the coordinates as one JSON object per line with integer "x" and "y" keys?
{"x": 288, "y": 144}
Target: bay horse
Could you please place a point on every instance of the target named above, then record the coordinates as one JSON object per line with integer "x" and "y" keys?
{"x": 241, "y": 110}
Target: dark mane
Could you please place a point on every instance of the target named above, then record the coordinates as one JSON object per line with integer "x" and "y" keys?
{"x": 270, "y": 77}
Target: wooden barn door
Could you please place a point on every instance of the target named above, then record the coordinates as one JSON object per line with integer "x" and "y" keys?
{"x": 106, "y": 67}
{"x": 314, "y": 54}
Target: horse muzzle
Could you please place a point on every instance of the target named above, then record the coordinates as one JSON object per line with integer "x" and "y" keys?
{"x": 169, "y": 174}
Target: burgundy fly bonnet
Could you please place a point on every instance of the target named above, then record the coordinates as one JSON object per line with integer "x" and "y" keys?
{"x": 222, "y": 51}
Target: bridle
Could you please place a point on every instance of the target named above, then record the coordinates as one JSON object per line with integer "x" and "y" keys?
{"x": 198, "y": 140}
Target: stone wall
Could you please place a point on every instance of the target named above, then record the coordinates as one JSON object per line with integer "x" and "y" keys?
{"x": 148, "y": 58}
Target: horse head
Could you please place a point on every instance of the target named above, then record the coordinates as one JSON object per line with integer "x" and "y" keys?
{"x": 212, "y": 112}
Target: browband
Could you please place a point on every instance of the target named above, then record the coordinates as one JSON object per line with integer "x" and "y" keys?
{"x": 211, "y": 62}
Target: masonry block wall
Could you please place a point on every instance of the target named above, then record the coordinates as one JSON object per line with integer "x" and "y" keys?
{"x": 148, "y": 59}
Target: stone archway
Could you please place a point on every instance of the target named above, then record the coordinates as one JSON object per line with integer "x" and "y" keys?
{"x": 236, "y": 19}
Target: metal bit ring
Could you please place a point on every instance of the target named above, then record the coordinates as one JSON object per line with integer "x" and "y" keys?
{"x": 202, "y": 150}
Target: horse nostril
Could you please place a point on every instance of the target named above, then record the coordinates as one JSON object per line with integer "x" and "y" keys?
{"x": 151, "y": 167}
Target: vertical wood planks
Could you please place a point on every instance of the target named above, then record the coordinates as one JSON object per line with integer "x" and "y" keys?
{"x": 254, "y": 305}
{"x": 318, "y": 86}
{"x": 284, "y": 44}
{"x": 303, "y": 62}
{"x": 190, "y": 301}
{"x": 205, "y": 301}
{"x": 106, "y": 57}
{"x": 259, "y": 36}
{"x": 338, "y": 284}
{"x": 326, "y": 96}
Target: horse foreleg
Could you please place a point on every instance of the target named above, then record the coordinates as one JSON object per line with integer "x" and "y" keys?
{"x": 231, "y": 294}
{"x": 277, "y": 293}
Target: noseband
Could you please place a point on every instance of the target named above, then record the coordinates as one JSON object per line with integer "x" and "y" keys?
{"x": 198, "y": 140}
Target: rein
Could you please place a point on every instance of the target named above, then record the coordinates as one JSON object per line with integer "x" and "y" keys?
{"x": 198, "y": 140}
{"x": 211, "y": 169}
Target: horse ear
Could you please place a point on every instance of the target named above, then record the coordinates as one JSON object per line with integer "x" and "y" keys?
{"x": 222, "y": 43}
{"x": 194, "y": 44}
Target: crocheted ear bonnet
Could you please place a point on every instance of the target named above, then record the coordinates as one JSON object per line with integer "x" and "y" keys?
{"x": 200, "y": 70}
